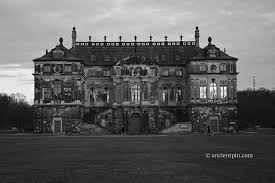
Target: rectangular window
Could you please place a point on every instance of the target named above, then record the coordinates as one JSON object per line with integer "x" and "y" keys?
{"x": 213, "y": 91}
{"x": 106, "y": 73}
{"x": 193, "y": 91}
{"x": 37, "y": 68}
{"x": 37, "y": 94}
{"x": 57, "y": 91}
{"x": 223, "y": 91}
{"x": 47, "y": 93}
{"x": 165, "y": 95}
{"x": 203, "y": 92}
{"x": 47, "y": 68}
{"x": 231, "y": 92}
{"x": 68, "y": 93}
{"x": 203, "y": 67}
{"x": 231, "y": 67}
{"x": 106, "y": 95}
{"x": 153, "y": 72}
{"x": 153, "y": 91}
{"x": 223, "y": 68}
{"x": 135, "y": 93}
{"x": 117, "y": 71}
{"x": 178, "y": 72}
{"x": 146, "y": 90}
{"x": 172, "y": 94}
{"x": 68, "y": 68}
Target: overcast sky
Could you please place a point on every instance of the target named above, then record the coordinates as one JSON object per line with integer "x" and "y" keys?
{"x": 27, "y": 27}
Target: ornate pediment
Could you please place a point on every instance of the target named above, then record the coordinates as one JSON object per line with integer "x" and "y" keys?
{"x": 58, "y": 53}
{"x": 212, "y": 52}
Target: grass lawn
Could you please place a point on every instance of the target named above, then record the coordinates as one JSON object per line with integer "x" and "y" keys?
{"x": 128, "y": 159}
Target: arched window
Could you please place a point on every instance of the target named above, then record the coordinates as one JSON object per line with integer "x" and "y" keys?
{"x": 57, "y": 91}
{"x": 106, "y": 95}
{"x": 145, "y": 90}
{"x": 92, "y": 95}
{"x": 203, "y": 92}
{"x": 213, "y": 91}
{"x": 223, "y": 91}
{"x": 172, "y": 94}
{"x": 135, "y": 93}
{"x": 165, "y": 95}
{"x": 178, "y": 94}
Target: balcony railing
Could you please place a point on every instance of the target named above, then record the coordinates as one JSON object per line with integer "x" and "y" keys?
{"x": 135, "y": 44}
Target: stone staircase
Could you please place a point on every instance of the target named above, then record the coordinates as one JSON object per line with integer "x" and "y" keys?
{"x": 180, "y": 127}
{"x": 94, "y": 129}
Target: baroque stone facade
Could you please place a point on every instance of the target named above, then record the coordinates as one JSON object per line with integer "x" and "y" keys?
{"x": 142, "y": 87}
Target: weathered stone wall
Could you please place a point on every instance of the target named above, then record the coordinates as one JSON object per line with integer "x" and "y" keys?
{"x": 71, "y": 117}
{"x": 200, "y": 116}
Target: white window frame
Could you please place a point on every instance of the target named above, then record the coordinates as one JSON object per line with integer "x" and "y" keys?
{"x": 203, "y": 92}
{"x": 213, "y": 93}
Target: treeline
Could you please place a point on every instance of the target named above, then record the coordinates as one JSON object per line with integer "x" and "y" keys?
{"x": 15, "y": 112}
{"x": 256, "y": 108}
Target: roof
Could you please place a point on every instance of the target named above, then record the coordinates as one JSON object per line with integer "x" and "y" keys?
{"x": 59, "y": 53}
{"x": 111, "y": 53}
{"x": 204, "y": 54}
{"x": 136, "y": 60}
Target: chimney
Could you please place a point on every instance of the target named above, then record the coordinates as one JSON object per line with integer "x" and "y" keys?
{"x": 197, "y": 37}
{"x": 73, "y": 38}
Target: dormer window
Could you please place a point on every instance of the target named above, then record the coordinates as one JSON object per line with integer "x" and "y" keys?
{"x": 57, "y": 53}
{"x": 107, "y": 58}
{"x": 92, "y": 58}
{"x": 177, "y": 57}
{"x": 163, "y": 57}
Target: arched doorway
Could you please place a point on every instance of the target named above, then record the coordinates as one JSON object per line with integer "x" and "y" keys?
{"x": 57, "y": 123}
{"x": 135, "y": 123}
{"x": 213, "y": 123}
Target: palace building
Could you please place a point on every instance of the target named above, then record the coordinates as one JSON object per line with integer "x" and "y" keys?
{"x": 143, "y": 87}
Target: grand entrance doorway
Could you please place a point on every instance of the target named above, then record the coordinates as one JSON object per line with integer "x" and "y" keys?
{"x": 57, "y": 124}
{"x": 213, "y": 123}
{"x": 135, "y": 123}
